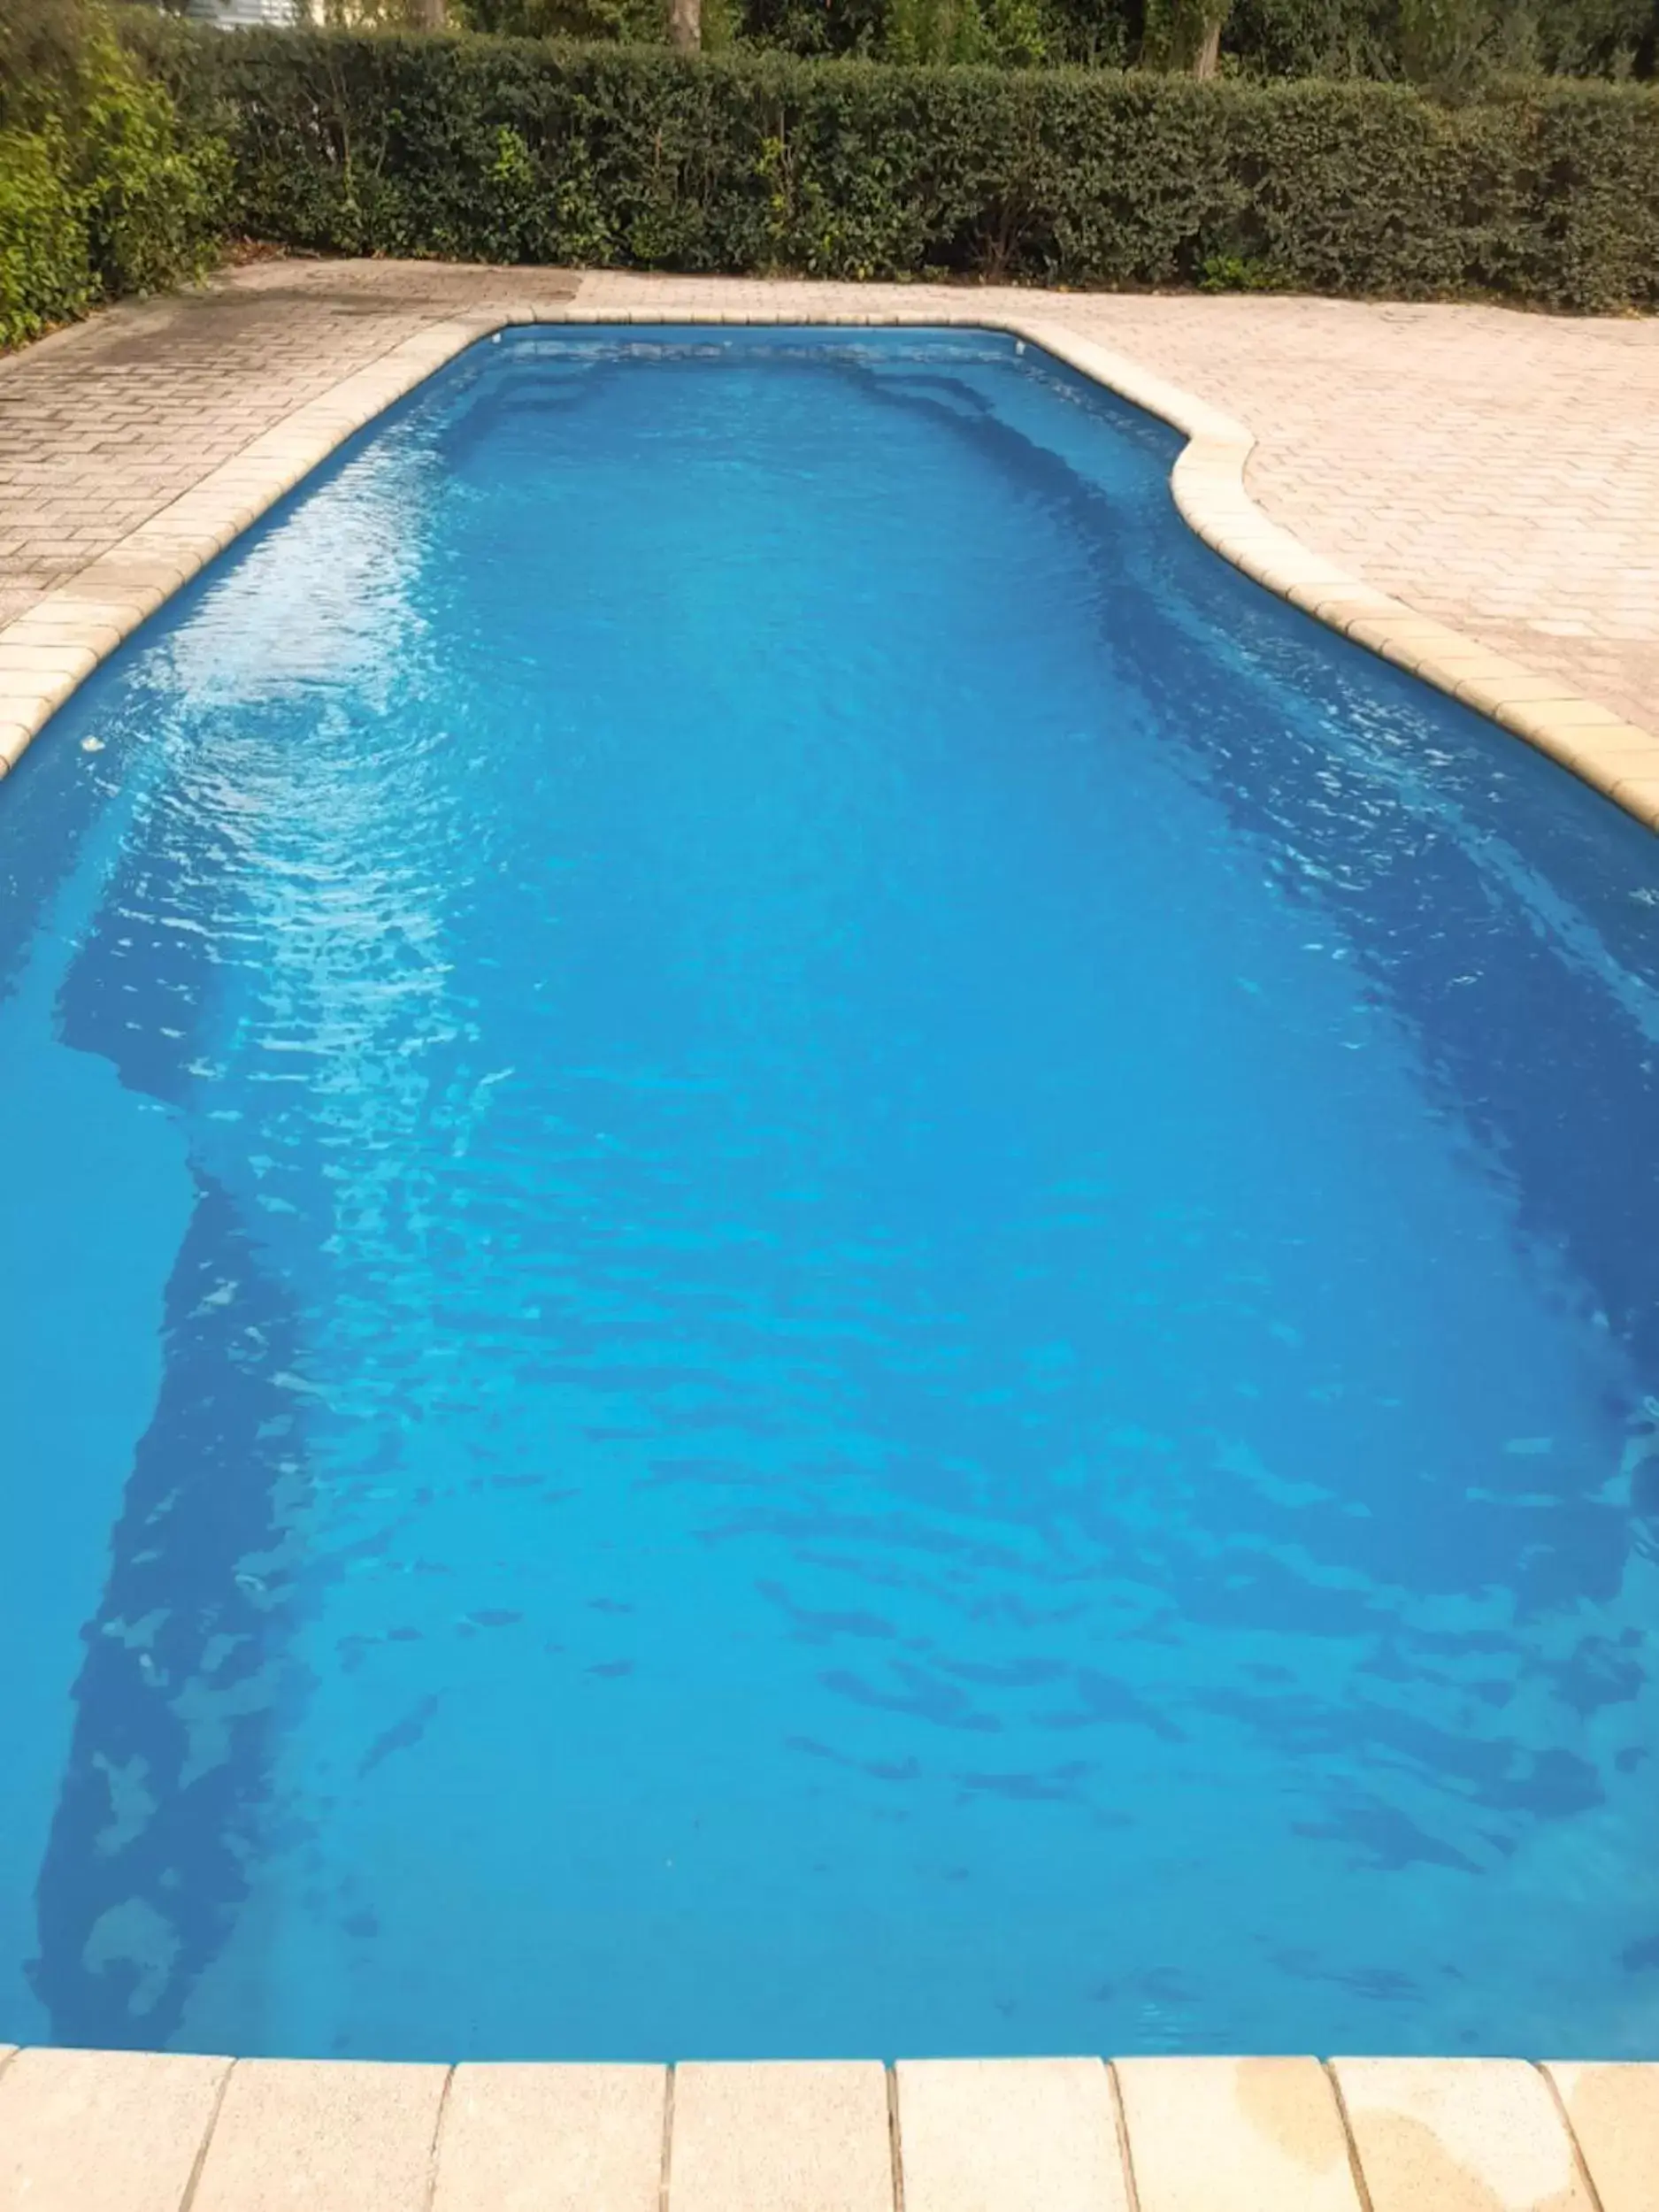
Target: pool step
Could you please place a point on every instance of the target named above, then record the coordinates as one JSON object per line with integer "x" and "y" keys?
{"x": 132, "y": 2131}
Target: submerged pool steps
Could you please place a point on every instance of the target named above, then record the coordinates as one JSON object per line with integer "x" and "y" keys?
{"x": 132, "y": 2131}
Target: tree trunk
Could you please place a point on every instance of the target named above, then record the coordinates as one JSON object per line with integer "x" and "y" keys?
{"x": 684, "y": 24}
{"x": 430, "y": 15}
{"x": 1185, "y": 35}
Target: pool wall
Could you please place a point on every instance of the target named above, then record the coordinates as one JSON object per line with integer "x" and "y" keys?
{"x": 46, "y": 653}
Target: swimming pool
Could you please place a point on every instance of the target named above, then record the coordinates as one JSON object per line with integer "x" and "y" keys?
{"x": 820, "y": 1255}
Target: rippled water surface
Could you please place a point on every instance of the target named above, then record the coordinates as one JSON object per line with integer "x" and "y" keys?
{"x": 808, "y": 1253}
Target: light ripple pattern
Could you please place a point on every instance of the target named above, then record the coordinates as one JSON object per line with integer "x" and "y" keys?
{"x": 811, "y": 1254}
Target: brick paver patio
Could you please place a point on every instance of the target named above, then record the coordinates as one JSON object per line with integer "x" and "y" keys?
{"x": 1497, "y": 470}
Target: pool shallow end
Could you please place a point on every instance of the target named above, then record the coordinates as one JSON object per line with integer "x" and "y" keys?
{"x": 48, "y": 652}
{"x": 135, "y": 2131}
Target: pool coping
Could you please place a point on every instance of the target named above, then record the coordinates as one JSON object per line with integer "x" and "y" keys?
{"x": 47, "y": 652}
{"x": 154, "y": 2132}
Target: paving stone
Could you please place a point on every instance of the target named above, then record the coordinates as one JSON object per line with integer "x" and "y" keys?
{"x": 1010, "y": 2135}
{"x": 336, "y": 2136}
{"x": 1236, "y": 2135}
{"x": 103, "y": 2131}
{"x": 552, "y": 2139}
{"x": 1460, "y": 2135}
{"x": 1614, "y": 2115}
{"x": 780, "y": 2138}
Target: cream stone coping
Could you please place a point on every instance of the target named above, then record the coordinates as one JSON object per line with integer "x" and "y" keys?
{"x": 1613, "y": 2112}
{"x": 552, "y": 2139}
{"x": 289, "y": 2132}
{"x": 1236, "y": 2135}
{"x": 104, "y": 2130}
{"x": 48, "y": 652}
{"x": 1010, "y": 2135}
{"x": 1482, "y": 2135}
{"x": 126, "y": 2132}
{"x": 779, "y": 2137}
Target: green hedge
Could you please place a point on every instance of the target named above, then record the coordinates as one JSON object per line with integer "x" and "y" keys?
{"x": 629, "y": 156}
{"x": 45, "y": 268}
{"x": 100, "y": 192}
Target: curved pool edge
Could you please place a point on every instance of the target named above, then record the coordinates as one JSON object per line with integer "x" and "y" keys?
{"x": 47, "y": 652}
{"x": 103, "y": 2131}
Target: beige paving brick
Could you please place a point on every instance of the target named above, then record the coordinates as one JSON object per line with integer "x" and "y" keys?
{"x": 25, "y": 699}
{"x": 780, "y": 2138}
{"x": 103, "y": 2131}
{"x": 1614, "y": 2115}
{"x": 294, "y": 2136}
{"x": 1235, "y": 2135}
{"x": 1460, "y": 2135}
{"x": 1639, "y": 796}
{"x": 552, "y": 2139}
{"x": 1543, "y": 696}
{"x": 1010, "y": 2135}
{"x": 43, "y": 660}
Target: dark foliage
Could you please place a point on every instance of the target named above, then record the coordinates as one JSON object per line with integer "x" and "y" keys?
{"x": 630, "y": 156}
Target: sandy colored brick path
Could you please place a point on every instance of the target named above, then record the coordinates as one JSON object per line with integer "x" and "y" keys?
{"x": 1499, "y": 472}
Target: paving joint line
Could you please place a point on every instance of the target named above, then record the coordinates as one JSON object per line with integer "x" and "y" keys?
{"x": 1579, "y": 2159}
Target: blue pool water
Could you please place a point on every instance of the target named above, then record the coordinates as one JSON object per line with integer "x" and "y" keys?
{"x": 807, "y": 1252}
